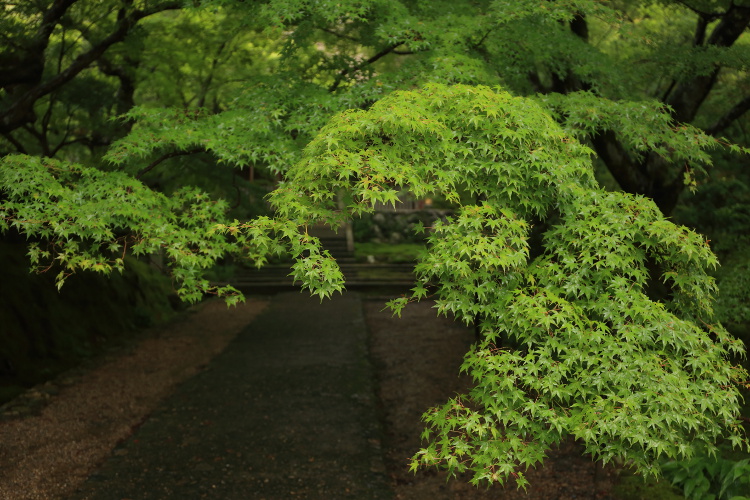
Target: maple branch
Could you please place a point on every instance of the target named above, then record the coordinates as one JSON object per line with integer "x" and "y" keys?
{"x": 730, "y": 116}
{"x": 167, "y": 156}
{"x": 371, "y": 60}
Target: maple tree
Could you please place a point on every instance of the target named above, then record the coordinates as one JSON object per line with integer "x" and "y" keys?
{"x": 596, "y": 309}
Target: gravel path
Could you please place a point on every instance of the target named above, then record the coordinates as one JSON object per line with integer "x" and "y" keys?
{"x": 80, "y": 417}
{"x": 417, "y": 359}
{"x": 287, "y": 410}
{"x": 274, "y": 399}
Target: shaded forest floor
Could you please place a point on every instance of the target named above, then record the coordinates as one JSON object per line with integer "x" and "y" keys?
{"x": 417, "y": 359}
{"x": 54, "y": 437}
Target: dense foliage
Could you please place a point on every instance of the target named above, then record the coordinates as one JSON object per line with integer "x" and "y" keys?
{"x": 596, "y": 309}
{"x": 573, "y": 343}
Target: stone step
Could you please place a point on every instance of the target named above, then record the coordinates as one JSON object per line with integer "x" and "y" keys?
{"x": 355, "y": 275}
{"x": 333, "y": 241}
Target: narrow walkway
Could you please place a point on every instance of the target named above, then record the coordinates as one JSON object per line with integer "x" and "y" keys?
{"x": 286, "y": 411}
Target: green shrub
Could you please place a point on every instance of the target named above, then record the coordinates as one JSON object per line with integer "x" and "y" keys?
{"x": 707, "y": 478}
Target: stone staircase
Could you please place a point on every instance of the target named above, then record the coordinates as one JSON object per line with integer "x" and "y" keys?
{"x": 357, "y": 275}
{"x": 275, "y": 277}
{"x": 337, "y": 243}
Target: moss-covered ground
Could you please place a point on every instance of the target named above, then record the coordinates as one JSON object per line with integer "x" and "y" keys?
{"x": 388, "y": 253}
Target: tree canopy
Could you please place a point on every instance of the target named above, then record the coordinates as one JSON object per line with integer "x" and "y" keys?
{"x": 123, "y": 122}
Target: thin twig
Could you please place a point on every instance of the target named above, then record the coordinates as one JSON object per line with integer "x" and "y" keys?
{"x": 371, "y": 60}
{"x": 167, "y": 156}
{"x": 339, "y": 35}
